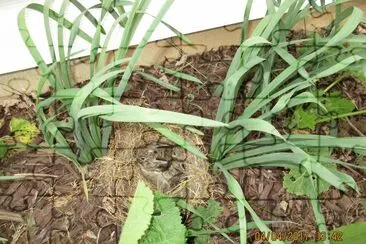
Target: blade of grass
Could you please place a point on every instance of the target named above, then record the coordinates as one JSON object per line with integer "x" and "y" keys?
{"x": 242, "y": 204}
{"x": 177, "y": 139}
{"x": 88, "y": 15}
{"x": 180, "y": 75}
{"x": 131, "y": 113}
{"x": 161, "y": 82}
{"x": 245, "y": 25}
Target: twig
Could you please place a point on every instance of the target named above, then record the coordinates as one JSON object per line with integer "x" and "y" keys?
{"x": 354, "y": 127}
{"x": 334, "y": 83}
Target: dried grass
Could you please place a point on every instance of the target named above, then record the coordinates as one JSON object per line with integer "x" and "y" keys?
{"x": 118, "y": 172}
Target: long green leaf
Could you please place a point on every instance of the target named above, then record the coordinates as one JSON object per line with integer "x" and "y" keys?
{"x": 131, "y": 113}
{"x": 139, "y": 215}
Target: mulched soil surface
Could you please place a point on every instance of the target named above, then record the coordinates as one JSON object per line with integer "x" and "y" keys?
{"x": 39, "y": 209}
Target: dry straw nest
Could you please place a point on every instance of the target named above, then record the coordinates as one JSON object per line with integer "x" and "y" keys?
{"x": 118, "y": 172}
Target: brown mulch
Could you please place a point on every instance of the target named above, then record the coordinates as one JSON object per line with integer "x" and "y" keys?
{"x": 49, "y": 205}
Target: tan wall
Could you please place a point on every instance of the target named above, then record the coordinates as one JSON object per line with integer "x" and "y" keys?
{"x": 25, "y": 81}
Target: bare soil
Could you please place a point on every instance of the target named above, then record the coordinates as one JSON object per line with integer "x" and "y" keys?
{"x": 49, "y": 205}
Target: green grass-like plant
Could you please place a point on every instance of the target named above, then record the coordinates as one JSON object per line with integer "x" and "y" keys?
{"x": 273, "y": 92}
{"x": 77, "y": 122}
{"x": 80, "y": 126}
{"x": 155, "y": 218}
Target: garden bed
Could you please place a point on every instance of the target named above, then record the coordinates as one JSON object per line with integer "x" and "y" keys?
{"x": 49, "y": 205}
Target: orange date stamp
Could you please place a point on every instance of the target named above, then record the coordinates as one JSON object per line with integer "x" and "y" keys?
{"x": 297, "y": 236}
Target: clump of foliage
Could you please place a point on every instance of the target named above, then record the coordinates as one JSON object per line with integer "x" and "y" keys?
{"x": 152, "y": 219}
{"x": 335, "y": 106}
{"x": 156, "y": 218}
{"x": 22, "y": 133}
{"x": 80, "y": 126}
{"x": 24, "y": 130}
{"x": 203, "y": 216}
{"x": 273, "y": 92}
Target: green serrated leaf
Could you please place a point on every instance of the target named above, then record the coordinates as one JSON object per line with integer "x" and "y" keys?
{"x": 300, "y": 183}
{"x": 163, "y": 202}
{"x": 24, "y": 130}
{"x": 334, "y": 103}
{"x": 304, "y": 119}
{"x": 209, "y": 214}
{"x": 166, "y": 227}
{"x": 139, "y": 215}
